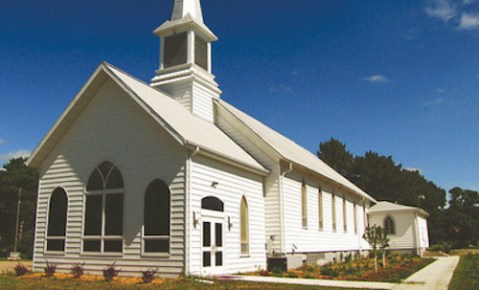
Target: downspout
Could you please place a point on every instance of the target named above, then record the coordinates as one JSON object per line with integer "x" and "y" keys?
{"x": 281, "y": 207}
{"x": 187, "y": 209}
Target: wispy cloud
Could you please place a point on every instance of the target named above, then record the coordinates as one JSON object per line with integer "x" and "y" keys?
{"x": 280, "y": 88}
{"x": 435, "y": 102}
{"x": 442, "y": 9}
{"x": 4, "y": 157}
{"x": 377, "y": 79}
{"x": 469, "y": 21}
{"x": 441, "y": 91}
{"x": 2, "y": 141}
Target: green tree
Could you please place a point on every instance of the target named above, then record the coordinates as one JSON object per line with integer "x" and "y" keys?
{"x": 376, "y": 236}
{"x": 462, "y": 217}
{"x": 15, "y": 175}
{"x": 335, "y": 154}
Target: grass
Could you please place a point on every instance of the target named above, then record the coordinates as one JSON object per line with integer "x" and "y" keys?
{"x": 466, "y": 276}
{"x": 8, "y": 282}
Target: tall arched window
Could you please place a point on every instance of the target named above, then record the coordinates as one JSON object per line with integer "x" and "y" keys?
{"x": 333, "y": 210}
{"x": 57, "y": 220}
{"x": 304, "y": 205}
{"x": 389, "y": 226}
{"x": 103, "y": 230}
{"x": 156, "y": 232}
{"x": 320, "y": 208}
{"x": 345, "y": 214}
{"x": 244, "y": 225}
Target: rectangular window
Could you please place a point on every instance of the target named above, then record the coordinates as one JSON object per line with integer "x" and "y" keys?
{"x": 219, "y": 235}
{"x": 113, "y": 210}
{"x": 345, "y": 215}
{"x": 320, "y": 208}
{"x": 206, "y": 234}
{"x": 333, "y": 210}
{"x": 93, "y": 215}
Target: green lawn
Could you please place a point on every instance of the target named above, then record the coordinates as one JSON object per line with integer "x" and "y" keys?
{"x": 8, "y": 282}
{"x": 466, "y": 276}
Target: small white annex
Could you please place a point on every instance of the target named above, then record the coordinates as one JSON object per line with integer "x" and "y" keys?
{"x": 167, "y": 175}
{"x": 406, "y": 226}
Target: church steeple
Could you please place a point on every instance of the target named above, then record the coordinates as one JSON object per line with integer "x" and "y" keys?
{"x": 185, "y": 59}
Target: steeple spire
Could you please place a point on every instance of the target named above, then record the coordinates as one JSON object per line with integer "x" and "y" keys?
{"x": 183, "y": 7}
{"x": 185, "y": 59}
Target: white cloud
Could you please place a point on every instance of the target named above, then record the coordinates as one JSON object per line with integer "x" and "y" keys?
{"x": 435, "y": 102}
{"x": 4, "y": 157}
{"x": 469, "y": 21}
{"x": 280, "y": 88}
{"x": 2, "y": 141}
{"x": 441, "y": 91}
{"x": 377, "y": 79}
{"x": 442, "y": 9}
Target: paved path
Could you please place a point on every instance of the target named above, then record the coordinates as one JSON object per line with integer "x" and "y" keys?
{"x": 435, "y": 276}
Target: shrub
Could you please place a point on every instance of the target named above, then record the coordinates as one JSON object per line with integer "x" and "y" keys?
{"x": 20, "y": 269}
{"x": 77, "y": 270}
{"x": 149, "y": 275}
{"x": 110, "y": 272}
{"x": 264, "y": 273}
{"x": 50, "y": 269}
{"x": 292, "y": 275}
{"x": 327, "y": 271}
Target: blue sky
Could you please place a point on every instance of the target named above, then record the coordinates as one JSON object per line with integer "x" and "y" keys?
{"x": 397, "y": 77}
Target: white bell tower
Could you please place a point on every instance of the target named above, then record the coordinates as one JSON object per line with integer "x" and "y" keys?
{"x": 185, "y": 60}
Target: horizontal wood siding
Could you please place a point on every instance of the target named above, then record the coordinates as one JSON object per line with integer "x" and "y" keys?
{"x": 404, "y": 222}
{"x": 203, "y": 102}
{"x": 232, "y": 185}
{"x": 312, "y": 238}
{"x": 244, "y": 138}
{"x": 113, "y": 128}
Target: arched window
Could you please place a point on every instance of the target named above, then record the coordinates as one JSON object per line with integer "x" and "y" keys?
{"x": 389, "y": 226}
{"x": 103, "y": 230}
{"x": 244, "y": 226}
{"x": 212, "y": 203}
{"x": 156, "y": 232}
{"x": 57, "y": 220}
{"x": 304, "y": 205}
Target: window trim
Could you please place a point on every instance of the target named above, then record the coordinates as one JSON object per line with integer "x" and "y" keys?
{"x": 320, "y": 209}
{"x": 392, "y": 225}
{"x": 47, "y": 237}
{"x": 145, "y": 237}
{"x": 345, "y": 214}
{"x": 304, "y": 205}
{"x": 333, "y": 211}
{"x": 246, "y": 224}
{"x": 102, "y": 237}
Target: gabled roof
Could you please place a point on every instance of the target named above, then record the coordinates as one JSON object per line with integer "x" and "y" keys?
{"x": 389, "y": 207}
{"x": 184, "y": 127}
{"x": 290, "y": 151}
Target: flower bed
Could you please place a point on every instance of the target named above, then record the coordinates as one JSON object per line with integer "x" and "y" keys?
{"x": 398, "y": 267}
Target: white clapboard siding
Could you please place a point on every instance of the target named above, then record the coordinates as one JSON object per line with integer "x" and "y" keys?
{"x": 405, "y": 237}
{"x": 313, "y": 239}
{"x": 203, "y": 102}
{"x": 232, "y": 185}
{"x": 113, "y": 128}
{"x": 256, "y": 148}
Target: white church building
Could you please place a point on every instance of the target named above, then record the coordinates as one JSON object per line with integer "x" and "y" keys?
{"x": 166, "y": 174}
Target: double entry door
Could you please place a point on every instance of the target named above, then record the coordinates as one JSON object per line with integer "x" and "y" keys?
{"x": 212, "y": 245}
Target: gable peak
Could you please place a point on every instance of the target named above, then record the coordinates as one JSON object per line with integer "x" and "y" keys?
{"x": 181, "y": 8}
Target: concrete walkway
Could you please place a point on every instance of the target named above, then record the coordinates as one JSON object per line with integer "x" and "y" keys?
{"x": 436, "y": 276}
